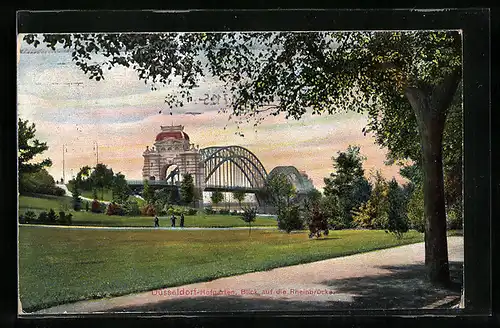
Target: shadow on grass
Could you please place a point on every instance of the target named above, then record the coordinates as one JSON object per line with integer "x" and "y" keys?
{"x": 405, "y": 287}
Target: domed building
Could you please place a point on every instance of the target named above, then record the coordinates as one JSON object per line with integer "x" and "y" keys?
{"x": 172, "y": 156}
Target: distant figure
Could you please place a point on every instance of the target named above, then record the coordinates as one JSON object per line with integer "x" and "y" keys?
{"x": 172, "y": 219}
{"x": 157, "y": 222}
{"x": 182, "y": 220}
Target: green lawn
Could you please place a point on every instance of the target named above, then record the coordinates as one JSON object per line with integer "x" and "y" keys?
{"x": 98, "y": 219}
{"x": 106, "y": 196}
{"x": 57, "y": 266}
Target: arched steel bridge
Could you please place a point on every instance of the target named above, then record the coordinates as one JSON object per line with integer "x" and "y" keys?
{"x": 231, "y": 168}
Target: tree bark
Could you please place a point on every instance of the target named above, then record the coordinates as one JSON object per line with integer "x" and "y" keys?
{"x": 430, "y": 107}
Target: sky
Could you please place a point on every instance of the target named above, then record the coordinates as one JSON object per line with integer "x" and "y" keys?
{"x": 121, "y": 114}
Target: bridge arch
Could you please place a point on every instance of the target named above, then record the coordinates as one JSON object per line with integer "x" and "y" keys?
{"x": 232, "y": 160}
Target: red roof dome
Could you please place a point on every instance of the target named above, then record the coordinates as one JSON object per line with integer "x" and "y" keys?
{"x": 175, "y": 134}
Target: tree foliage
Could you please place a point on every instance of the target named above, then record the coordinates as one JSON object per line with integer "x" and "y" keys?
{"x": 397, "y": 219}
{"x": 102, "y": 177}
{"x": 373, "y": 213}
{"x": 147, "y": 192}
{"x": 120, "y": 188}
{"x": 348, "y": 182}
{"x": 281, "y": 192}
{"x": 216, "y": 197}
{"x": 249, "y": 215}
{"x": 29, "y": 148}
{"x": 40, "y": 182}
{"x": 239, "y": 195}
{"x": 187, "y": 189}
{"x": 416, "y": 209}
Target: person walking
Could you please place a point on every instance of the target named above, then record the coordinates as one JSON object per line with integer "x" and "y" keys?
{"x": 182, "y": 220}
{"x": 173, "y": 220}
{"x": 157, "y": 222}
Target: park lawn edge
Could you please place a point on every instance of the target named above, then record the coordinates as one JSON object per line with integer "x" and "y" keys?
{"x": 265, "y": 267}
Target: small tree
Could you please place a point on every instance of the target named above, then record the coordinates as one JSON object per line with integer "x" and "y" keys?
{"x": 216, "y": 197}
{"x": 290, "y": 219}
{"x": 416, "y": 209}
{"x": 239, "y": 195}
{"x": 397, "y": 220}
{"x": 249, "y": 215}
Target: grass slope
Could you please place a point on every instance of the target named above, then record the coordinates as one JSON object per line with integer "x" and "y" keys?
{"x": 57, "y": 266}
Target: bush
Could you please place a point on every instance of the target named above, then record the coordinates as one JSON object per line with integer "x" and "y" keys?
{"x": 317, "y": 222}
{"x": 224, "y": 212}
{"x": 131, "y": 208}
{"x": 103, "y": 207}
{"x": 65, "y": 218}
{"x": 289, "y": 219}
{"x": 28, "y": 217}
{"x": 51, "y": 216}
{"x": 114, "y": 209}
{"x": 58, "y": 191}
{"x": 209, "y": 210}
{"x": 191, "y": 211}
{"x": 148, "y": 210}
{"x": 96, "y": 206}
{"x": 175, "y": 210}
{"x": 87, "y": 206}
{"x": 62, "y": 217}
{"x": 43, "y": 217}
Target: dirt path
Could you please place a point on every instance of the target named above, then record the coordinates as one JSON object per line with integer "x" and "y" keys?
{"x": 390, "y": 278}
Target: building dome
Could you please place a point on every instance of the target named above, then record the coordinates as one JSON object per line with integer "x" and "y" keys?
{"x": 179, "y": 135}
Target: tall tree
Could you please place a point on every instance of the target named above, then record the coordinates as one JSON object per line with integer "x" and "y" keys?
{"x": 120, "y": 189}
{"x": 187, "y": 189}
{"x": 348, "y": 182}
{"x": 281, "y": 192}
{"x": 102, "y": 177}
{"x": 82, "y": 179}
{"x": 397, "y": 218}
{"x": 288, "y": 72}
{"x": 29, "y": 147}
{"x": 147, "y": 192}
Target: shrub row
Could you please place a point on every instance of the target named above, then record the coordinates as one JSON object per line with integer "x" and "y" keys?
{"x": 45, "y": 217}
{"x": 209, "y": 211}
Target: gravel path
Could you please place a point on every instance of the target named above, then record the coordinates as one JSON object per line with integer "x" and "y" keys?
{"x": 390, "y": 278}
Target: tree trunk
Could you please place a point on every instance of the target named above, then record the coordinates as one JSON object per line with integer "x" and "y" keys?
{"x": 430, "y": 108}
